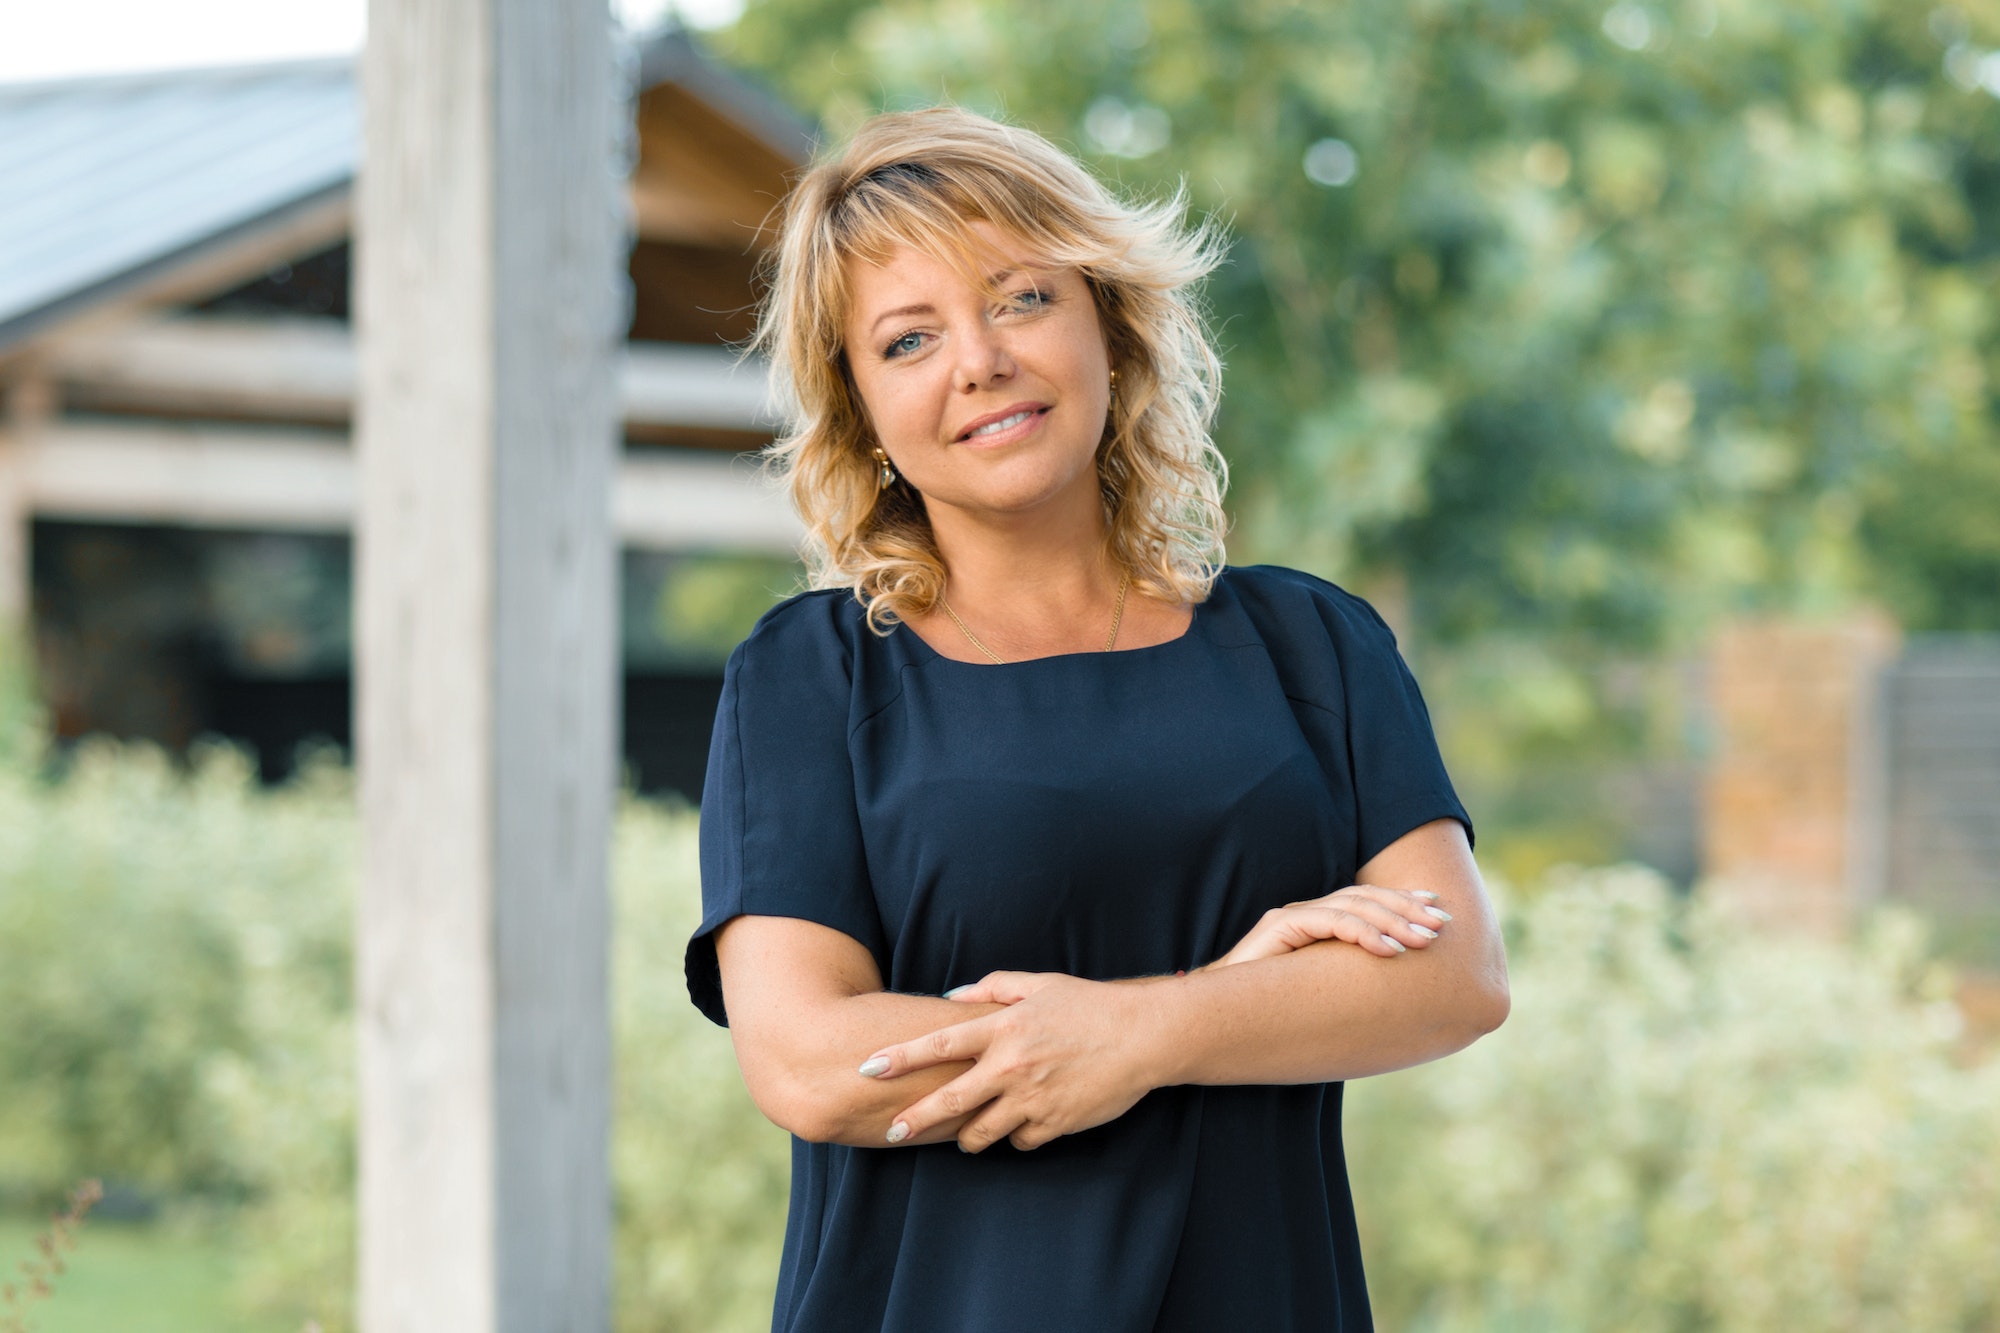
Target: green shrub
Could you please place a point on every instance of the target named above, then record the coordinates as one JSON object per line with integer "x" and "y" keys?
{"x": 1689, "y": 1124}
{"x": 136, "y": 906}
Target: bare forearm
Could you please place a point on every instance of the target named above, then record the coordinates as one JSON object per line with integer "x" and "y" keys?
{"x": 807, "y": 1080}
{"x": 1323, "y": 1013}
{"x": 1328, "y": 1010}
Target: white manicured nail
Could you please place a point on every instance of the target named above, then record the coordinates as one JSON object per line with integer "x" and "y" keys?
{"x": 1393, "y": 943}
{"x": 1439, "y": 913}
{"x": 898, "y": 1132}
{"x": 875, "y": 1064}
{"x": 1424, "y": 931}
{"x": 959, "y": 990}
{"x": 1423, "y": 893}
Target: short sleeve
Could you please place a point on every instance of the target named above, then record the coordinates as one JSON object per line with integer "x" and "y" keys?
{"x": 779, "y": 834}
{"x": 1400, "y": 781}
{"x": 1367, "y": 719}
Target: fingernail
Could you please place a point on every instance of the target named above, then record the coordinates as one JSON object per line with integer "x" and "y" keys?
{"x": 898, "y": 1132}
{"x": 1439, "y": 913}
{"x": 962, "y": 1148}
{"x": 1424, "y": 931}
{"x": 873, "y": 1065}
{"x": 1423, "y": 893}
{"x": 960, "y": 990}
{"x": 1395, "y": 944}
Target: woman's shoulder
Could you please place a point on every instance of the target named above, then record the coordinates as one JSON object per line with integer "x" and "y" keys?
{"x": 815, "y": 650}
{"x": 819, "y": 621}
{"x": 1327, "y": 645}
{"x": 1285, "y": 595}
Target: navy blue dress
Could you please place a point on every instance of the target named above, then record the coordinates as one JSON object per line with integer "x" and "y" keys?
{"x": 1101, "y": 814}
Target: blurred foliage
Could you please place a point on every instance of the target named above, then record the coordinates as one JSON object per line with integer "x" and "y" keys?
{"x": 174, "y": 965}
{"x": 1942, "y": 514}
{"x": 1569, "y": 327}
{"x": 1687, "y": 1125}
{"x": 23, "y": 718}
{"x": 123, "y": 963}
{"x": 683, "y": 611}
{"x": 1683, "y": 1124}
{"x": 708, "y": 603}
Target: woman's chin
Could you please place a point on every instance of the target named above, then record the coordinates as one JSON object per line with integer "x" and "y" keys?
{"x": 1008, "y": 492}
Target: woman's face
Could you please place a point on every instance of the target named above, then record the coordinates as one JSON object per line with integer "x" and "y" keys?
{"x": 987, "y": 407}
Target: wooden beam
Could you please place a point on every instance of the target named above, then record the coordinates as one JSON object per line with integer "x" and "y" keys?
{"x": 273, "y": 479}
{"x": 663, "y": 385}
{"x": 192, "y": 476}
{"x": 676, "y": 502}
{"x": 489, "y": 287}
{"x": 300, "y": 369}
{"x": 305, "y": 370}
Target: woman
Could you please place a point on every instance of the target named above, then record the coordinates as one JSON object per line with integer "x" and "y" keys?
{"x": 1054, "y": 876}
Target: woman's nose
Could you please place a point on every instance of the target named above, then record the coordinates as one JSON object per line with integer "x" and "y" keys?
{"x": 982, "y": 357}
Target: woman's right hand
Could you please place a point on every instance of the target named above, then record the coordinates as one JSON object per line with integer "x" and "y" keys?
{"x": 1385, "y": 922}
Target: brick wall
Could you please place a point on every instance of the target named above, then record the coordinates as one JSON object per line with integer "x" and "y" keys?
{"x": 1790, "y": 809}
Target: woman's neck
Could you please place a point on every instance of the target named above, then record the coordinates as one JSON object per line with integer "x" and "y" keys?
{"x": 1037, "y": 585}
{"x": 1049, "y": 578}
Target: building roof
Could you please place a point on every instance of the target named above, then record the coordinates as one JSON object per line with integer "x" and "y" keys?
{"x": 107, "y": 182}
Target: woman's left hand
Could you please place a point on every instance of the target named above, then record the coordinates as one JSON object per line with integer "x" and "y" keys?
{"x": 1384, "y": 922}
{"x": 1060, "y": 1058}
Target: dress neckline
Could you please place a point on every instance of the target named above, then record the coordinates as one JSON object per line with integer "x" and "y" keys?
{"x": 1194, "y": 625}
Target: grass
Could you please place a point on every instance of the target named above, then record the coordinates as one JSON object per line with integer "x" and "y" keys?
{"x": 130, "y": 1277}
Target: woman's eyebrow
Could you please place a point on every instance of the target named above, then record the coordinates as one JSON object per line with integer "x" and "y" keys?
{"x": 901, "y": 311}
{"x": 925, "y": 308}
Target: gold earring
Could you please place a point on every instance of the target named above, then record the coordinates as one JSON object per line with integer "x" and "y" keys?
{"x": 1114, "y": 386}
{"x": 888, "y": 475}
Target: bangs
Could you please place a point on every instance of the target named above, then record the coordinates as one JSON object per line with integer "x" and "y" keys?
{"x": 915, "y": 205}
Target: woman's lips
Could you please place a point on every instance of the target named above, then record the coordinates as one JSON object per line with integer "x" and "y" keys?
{"x": 1006, "y": 427}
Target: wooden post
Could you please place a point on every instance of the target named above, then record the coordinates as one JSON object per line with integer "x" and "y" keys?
{"x": 490, "y": 299}
{"x": 30, "y": 402}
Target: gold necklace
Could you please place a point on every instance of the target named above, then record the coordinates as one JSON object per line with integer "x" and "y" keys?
{"x": 1117, "y": 618}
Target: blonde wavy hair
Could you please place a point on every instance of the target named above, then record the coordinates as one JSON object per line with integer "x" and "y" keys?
{"x": 919, "y": 179}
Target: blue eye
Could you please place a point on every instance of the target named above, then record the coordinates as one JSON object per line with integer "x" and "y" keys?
{"x": 904, "y": 345}
{"x": 1033, "y": 298}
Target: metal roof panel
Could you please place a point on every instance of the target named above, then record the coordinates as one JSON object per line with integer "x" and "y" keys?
{"x": 103, "y": 177}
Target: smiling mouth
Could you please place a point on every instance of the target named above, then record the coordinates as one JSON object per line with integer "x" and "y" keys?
{"x": 1004, "y": 423}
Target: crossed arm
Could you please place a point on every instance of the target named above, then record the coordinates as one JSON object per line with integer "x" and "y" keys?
{"x": 1315, "y": 994}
